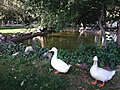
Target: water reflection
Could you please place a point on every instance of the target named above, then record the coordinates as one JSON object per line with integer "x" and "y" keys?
{"x": 67, "y": 41}
{"x": 64, "y": 40}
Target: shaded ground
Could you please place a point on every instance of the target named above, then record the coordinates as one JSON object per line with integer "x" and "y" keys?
{"x": 81, "y": 80}
{"x": 31, "y": 74}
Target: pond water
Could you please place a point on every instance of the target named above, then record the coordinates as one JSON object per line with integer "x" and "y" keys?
{"x": 66, "y": 41}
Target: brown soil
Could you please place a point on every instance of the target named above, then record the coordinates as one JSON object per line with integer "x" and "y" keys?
{"x": 80, "y": 79}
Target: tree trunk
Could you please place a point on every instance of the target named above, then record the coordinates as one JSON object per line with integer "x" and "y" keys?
{"x": 118, "y": 35}
{"x": 2, "y": 23}
{"x": 29, "y": 36}
{"x": 102, "y": 19}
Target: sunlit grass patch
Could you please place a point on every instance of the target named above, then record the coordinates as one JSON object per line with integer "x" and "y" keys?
{"x": 16, "y": 30}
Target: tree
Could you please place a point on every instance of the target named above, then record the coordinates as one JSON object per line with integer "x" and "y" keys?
{"x": 118, "y": 35}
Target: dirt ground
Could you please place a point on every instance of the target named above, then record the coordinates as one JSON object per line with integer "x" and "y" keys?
{"x": 80, "y": 79}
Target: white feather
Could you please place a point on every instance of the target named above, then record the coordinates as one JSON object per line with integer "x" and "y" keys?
{"x": 100, "y": 73}
{"x": 28, "y": 49}
{"x": 58, "y": 64}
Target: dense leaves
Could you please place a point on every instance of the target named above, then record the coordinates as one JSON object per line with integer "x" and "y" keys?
{"x": 59, "y": 13}
{"x": 83, "y": 54}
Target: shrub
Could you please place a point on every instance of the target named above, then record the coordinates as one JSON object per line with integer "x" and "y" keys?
{"x": 83, "y": 54}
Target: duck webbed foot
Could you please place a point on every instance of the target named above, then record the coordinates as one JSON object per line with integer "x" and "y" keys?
{"x": 94, "y": 82}
{"x": 56, "y": 72}
{"x": 101, "y": 85}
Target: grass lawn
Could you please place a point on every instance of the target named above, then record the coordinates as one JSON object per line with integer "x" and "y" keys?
{"x": 15, "y": 30}
{"x": 33, "y": 74}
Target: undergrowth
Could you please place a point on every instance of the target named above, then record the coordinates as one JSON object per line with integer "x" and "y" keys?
{"x": 33, "y": 72}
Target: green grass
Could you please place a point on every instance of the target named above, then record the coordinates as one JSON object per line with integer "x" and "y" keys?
{"x": 27, "y": 75}
{"x": 15, "y": 29}
{"x": 12, "y": 27}
{"x": 32, "y": 72}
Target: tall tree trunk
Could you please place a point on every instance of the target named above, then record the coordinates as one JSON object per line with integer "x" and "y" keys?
{"x": 118, "y": 35}
{"x": 2, "y": 23}
{"x": 101, "y": 23}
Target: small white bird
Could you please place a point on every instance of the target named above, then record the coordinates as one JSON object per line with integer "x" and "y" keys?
{"x": 28, "y": 49}
{"x": 58, "y": 64}
{"x": 14, "y": 54}
{"x": 100, "y": 73}
{"x": 109, "y": 37}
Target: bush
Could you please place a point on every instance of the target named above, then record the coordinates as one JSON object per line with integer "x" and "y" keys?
{"x": 107, "y": 56}
{"x": 83, "y": 54}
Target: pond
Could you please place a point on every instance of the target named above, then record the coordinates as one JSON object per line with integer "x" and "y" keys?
{"x": 67, "y": 40}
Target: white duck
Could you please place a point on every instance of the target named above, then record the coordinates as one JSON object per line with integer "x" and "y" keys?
{"x": 28, "y": 49}
{"x": 58, "y": 64}
{"x": 100, "y": 73}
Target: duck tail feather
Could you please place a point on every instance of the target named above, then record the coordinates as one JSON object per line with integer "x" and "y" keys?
{"x": 113, "y": 72}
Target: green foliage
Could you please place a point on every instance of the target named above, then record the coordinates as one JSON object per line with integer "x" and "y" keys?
{"x": 83, "y": 54}
{"x": 112, "y": 53}
{"x": 9, "y": 49}
{"x": 14, "y": 27}
{"x": 60, "y": 13}
{"x": 33, "y": 72}
{"x": 107, "y": 57}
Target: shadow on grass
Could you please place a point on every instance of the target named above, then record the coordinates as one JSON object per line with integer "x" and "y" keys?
{"x": 22, "y": 74}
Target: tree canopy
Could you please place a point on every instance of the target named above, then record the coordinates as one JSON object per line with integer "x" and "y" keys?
{"x": 59, "y": 12}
